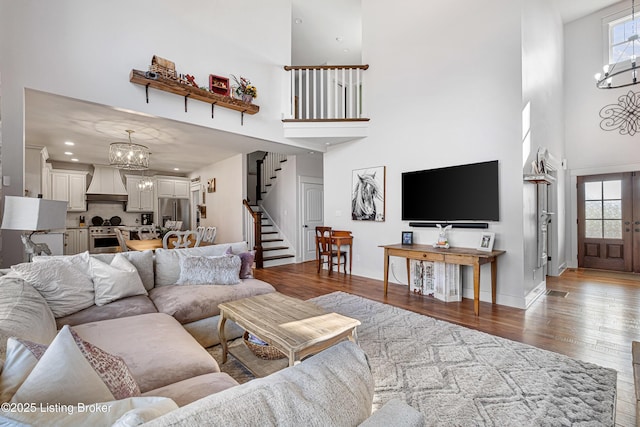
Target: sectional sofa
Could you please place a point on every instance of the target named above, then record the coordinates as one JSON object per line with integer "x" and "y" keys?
{"x": 119, "y": 340}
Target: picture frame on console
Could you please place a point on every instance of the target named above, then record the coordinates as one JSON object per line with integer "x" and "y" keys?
{"x": 407, "y": 237}
{"x": 487, "y": 238}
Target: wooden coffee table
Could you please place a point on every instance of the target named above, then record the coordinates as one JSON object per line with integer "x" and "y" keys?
{"x": 297, "y": 328}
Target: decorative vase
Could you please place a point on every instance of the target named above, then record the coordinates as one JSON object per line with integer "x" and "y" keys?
{"x": 247, "y": 98}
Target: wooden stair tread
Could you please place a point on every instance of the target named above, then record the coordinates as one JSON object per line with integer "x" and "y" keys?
{"x": 274, "y": 257}
{"x": 272, "y": 240}
{"x": 269, "y": 232}
{"x": 274, "y": 248}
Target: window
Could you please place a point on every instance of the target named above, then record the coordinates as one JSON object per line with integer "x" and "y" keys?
{"x": 603, "y": 209}
{"x": 620, "y": 31}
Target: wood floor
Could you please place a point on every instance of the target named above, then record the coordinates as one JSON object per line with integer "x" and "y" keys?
{"x": 595, "y": 322}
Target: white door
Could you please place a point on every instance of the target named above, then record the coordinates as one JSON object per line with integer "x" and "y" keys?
{"x": 312, "y": 215}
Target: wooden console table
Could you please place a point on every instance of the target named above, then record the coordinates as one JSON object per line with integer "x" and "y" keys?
{"x": 461, "y": 256}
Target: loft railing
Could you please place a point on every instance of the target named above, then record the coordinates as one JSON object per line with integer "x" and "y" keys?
{"x": 253, "y": 227}
{"x": 326, "y": 92}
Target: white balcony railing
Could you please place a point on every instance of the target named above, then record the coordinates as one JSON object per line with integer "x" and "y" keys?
{"x": 326, "y": 93}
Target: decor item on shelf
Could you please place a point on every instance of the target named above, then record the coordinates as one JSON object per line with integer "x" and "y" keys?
{"x": 162, "y": 67}
{"x": 191, "y": 80}
{"x": 34, "y": 215}
{"x": 219, "y": 85}
{"x": 624, "y": 70}
{"x": 407, "y": 237}
{"x": 127, "y": 155}
{"x": 486, "y": 241}
{"x": 443, "y": 240}
{"x": 622, "y": 116}
{"x": 244, "y": 89}
{"x": 368, "y": 194}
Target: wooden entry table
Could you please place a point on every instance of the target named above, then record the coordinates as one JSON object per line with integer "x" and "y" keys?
{"x": 297, "y": 328}
{"x": 461, "y": 256}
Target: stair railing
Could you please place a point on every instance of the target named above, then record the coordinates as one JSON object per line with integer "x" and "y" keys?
{"x": 325, "y": 92}
{"x": 253, "y": 227}
{"x": 270, "y": 164}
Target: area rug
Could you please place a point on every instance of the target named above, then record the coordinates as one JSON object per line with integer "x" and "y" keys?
{"x": 461, "y": 377}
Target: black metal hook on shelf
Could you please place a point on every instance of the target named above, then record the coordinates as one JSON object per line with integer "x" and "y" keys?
{"x": 213, "y": 105}
{"x": 185, "y": 102}
{"x": 146, "y": 91}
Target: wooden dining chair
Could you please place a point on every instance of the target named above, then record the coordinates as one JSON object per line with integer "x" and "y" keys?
{"x": 181, "y": 239}
{"x": 325, "y": 252}
{"x": 121, "y": 241}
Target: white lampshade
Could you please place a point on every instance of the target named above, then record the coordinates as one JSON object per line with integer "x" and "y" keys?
{"x": 31, "y": 214}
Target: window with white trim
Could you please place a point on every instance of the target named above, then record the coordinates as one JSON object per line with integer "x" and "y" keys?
{"x": 620, "y": 31}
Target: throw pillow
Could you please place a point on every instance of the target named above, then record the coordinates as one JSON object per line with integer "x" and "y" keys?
{"x": 74, "y": 371}
{"x": 21, "y": 357}
{"x": 115, "y": 281}
{"x": 80, "y": 261}
{"x": 213, "y": 270}
{"x": 65, "y": 286}
{"x": 246, "y": 259}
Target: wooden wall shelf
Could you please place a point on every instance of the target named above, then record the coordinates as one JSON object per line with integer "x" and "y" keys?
{"x": 190, "y": 92}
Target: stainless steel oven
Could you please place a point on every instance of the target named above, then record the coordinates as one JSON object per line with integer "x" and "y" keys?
{"x": 103, "y": 239}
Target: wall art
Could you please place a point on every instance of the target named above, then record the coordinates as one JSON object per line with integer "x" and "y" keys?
{"x": 368, "y": 194}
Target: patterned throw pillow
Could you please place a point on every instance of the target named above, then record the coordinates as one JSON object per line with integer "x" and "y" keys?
{"x": 21, "y": 357}
{"x": 209, "y": 270}
{"x": 73, "y": 371}
{"x": 63, "y": 283}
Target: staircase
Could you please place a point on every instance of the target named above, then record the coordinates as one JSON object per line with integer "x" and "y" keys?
{"x": 274, "y": 249}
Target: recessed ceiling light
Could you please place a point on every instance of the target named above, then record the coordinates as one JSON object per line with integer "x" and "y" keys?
{"x": 176, "y": 169}
{"x": 69, "y": 143}
{"x": 345, "y": 50}
{"x": 75, "y": 160}
{"x": 68, "y": 153}
{"x": 298, "y": 21}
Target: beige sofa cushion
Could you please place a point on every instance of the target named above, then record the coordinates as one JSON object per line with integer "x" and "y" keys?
{"x": 23, "y": 313}
{"x": 188, "y": 303}
{"x": 167, "y": 262}
{"x": 192, "y": 389}
{"x": 141, "y": 260}
{"x": 22, "y": 357}
{"x": 131, "y": 306}
{"x": 332, "y": 388}
{"x": 168, "y": 355}
{"x": 114, "y": 281}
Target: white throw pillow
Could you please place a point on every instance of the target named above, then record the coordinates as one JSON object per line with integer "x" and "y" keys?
{"x": 115, "y": 281}
{"x": 61, "y": 282}
{"x": 21, "y": 357}
{"x": 74, "y": 371}
{"x": 80, "y": 261}
{"x": 210, "y": 270}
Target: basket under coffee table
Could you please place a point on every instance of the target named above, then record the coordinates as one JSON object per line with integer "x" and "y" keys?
{"x": 297, "y": 328}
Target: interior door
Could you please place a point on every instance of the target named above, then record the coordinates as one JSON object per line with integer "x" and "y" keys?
{"x": 312, "y": 216}
{"x": 605, "y": 215}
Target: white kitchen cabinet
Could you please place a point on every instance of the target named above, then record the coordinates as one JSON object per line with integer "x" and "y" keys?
{"x": 176, "y": 188}
{"x": 76, "y": 241}
{"x": 139, "y": 200}
{"x": 70, "y": 186}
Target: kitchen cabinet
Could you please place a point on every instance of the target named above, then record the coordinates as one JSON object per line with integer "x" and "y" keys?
{"x": 173, "y": 187}
{"x": 76, "y": 240}
{"x": 139, "y": 200}
{"x": 70, "y": 186}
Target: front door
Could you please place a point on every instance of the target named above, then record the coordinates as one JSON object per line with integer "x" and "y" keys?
{"x": 605, "y": 216}
{"x": 312, "y": 216}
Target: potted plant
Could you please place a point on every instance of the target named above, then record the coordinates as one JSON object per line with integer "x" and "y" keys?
{"x": 244, "y": 89}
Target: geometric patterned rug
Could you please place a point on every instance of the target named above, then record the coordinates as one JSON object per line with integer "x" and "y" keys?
{"x": 461, "y": 377}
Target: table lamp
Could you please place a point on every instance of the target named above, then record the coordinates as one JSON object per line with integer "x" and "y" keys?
{"x": 33, "y": 214}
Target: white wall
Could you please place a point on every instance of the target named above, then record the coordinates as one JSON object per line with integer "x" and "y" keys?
{"x": 85, "y": 50}
{"x": 542, "y": 102}
{"x": 589, "y": 149}
{"x": 437, "y": 96}
{"x": 224, "y": 206}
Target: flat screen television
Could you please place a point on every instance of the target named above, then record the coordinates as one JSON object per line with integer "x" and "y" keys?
{"x": 455, "y": 193}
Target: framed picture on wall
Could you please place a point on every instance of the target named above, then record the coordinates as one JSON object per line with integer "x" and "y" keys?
{"x": 211, "y": 185}
{"x": 368, "y": 194}
{"x": 486, "y": 241}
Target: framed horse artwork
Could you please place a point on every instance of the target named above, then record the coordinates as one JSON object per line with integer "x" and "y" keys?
{"x": 368, "y": 194}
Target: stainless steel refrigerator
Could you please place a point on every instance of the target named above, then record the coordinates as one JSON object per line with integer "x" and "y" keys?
{"x": 174, "y": 210}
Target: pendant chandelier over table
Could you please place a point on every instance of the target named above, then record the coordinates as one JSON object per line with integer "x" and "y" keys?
{"x": 129, "y": 156}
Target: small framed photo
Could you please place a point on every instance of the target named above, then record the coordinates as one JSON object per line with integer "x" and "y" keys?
{"x": 407, "y": 237}
{"x": 486, "y": 241}
{"x": 211, "y": 185}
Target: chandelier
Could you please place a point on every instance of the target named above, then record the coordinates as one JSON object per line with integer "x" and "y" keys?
{"x": 146, "y": 183}
{"x": 623, "y": 72}
{"x": 127, "y": 155}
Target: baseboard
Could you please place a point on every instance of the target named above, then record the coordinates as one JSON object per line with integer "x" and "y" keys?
{"x": 535, "y": 294}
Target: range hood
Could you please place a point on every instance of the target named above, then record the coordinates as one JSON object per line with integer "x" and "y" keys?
{"x": 106, "y": 185}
